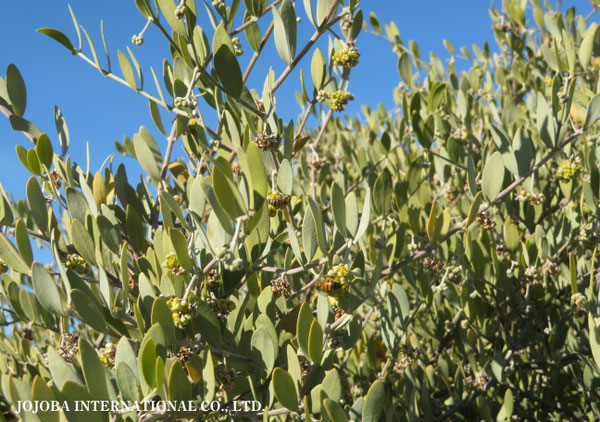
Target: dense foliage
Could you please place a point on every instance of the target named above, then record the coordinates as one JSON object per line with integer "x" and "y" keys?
{"x": 430, "y": 262}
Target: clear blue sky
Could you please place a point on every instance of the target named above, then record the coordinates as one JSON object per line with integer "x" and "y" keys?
{"x": 101, "y": 111}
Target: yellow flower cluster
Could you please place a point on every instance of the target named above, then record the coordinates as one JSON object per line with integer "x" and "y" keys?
{"x": 339, "y": 99}
{"x": 76, "y": 263}
{"x": 107, "y": 355}
{"x": 181, "y": 310}
{"x": 348, "y": 57}
{"x": 172, "y": 263}
{"x": 569, "y": 168}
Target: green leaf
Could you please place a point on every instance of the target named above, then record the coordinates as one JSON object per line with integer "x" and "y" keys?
{"x": 334, "y": 411}
{"x": 512, "y": 237}
{"x": 110, "y": 233}
{"x": 383, "y": 192}
{"x": 586, "y": 47}
{"x": 46, "y": 290}
{"x": 405, "y": 68}
{"x": 593, "y": 112}
{"x": 15, "y": 88}
{"x": 58, "y": 36}
{"x": 37, "y": 204}
{"x": 207, "y": 324}
{"x": 148, "y": 153}
{"x": 351, "y": 205}
{"x": 285, "y": 389}
{"x": 309, "y": 235}
{"x": 87, "y": 310}
{"x": 127, "y": 70}
{"x": 303, "y": 325}
{"x": 40, "y": 391}
{"x": 135, "y": 228}
{"x": 365, "y": 217}
{"x": 262, "y": 351}
{"x": 285, "y": 23}
{"x": 167, "y": 7}
{"x": 323, "y": 8}
{"x": 23, "y": 125}
{"x": 594, "y": 337}
{"x": 11, "y": 257}
{"x": 44, "y": 151}
{"x": 93, "y": 370}
{"x": 493, "y": 176}
{"x": 474, "y": 209}
{"x": 318, "y": 69}
{"x": 147, "y": 362}
{"x": 315, "y": 342}
{"x": 82, "y": 241}
{"x": 226, "y": 191}
{"x": 229, "y": 71}
{"x": 545, "y": 122}
{"x": 162, "y": 314}
{"x": 338, "y": 206}
{"x": 127, "y": 382}
{"x": 181, "y": 249}
{"x": 155, "y": 114}
{"x": 180, "y": 389}
{"x": 23, "y": 243}
{"x": 373, "y": 402}
{"x": 285, "y": 177}
{"x": 570, "y": 52}
{"x": 573, "y": 273}
{"x": 60, "y": 370}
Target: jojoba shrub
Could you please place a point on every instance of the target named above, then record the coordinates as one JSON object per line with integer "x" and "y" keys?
{"x": 431, "y": 262}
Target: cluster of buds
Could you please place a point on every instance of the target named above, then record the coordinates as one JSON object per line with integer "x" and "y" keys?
{"x": 480, "y": 381}
{"x": 56, "y": 179}
{"x": 237, "y": 170}
{"x": 68, "y": 347}
{"x": 189, "y": 102}
{"x": 460, "y": 133}
{"x": 407, "y": 358}
{"x": 182, "y": 311}
{"x": 180, "y": 10}
{"x": 222, "y": 307}
{"x": 454, "y": 273}
{"x": 451, "y": 193}
{"x": 346, "y": 23}
{"x": 316, "y": 164}
{"x": 172, "y": 264}
{"x": 548, "y": 80}
{"x": 76, "y": 263}
{"x": 137, "y": 39}
{"x": 278, "y": 200}
{"x": 218, "y": 4}
{"x": 280, "y": 287}
{"x": 530, "y": 272}
{"x": 212, "y": 279}
{"x": 579, "y": 300}
{"x": 266, "y": 141}
{"x": 3, "y": 268}
{"x": 27, "y": 333}
{"x": 305, "y": 370}
{"x": 226, "y": 378}
{"x": 230, "y": 262}
{"x": 339, "y": 99}
{"x": 237, "y": 46}
{"x": 348, "y": 57}
{"x": 550, "y": 268}
{"x": 107, "y": 355}
{"x": 184, "y": 353}
{"x": 501, "y": 251}
{"x": 532, "y": 198}
{"x": 485, "y": 221}
{"x": 569, "y": 168}
{"x": 440, "y": 288}
{"x": 433, "y": 264}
